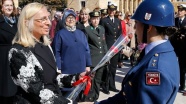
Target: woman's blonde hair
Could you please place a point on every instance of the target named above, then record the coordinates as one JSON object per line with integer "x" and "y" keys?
{"x": 85, "y": 10}
{"x": 25, "y": 26}
{"x": 127, "y": 13}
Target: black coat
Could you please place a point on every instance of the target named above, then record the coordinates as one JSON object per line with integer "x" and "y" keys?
{"x": 97, "y": 43}
{"x": 36, "y": 69}
{"x": 180, "y": 44}
{"x": 7, "y": 33}
{"x": 112, "y": 30}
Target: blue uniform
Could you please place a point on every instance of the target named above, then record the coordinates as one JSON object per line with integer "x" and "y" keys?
{"x": 71, "y": 51}
{"x": 154, "y": 80}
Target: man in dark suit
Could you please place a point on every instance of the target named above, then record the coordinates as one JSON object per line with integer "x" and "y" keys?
{"x": 112, "y": 27}
{"x": 98, "y": 48}
{"x": 179, "y": 45}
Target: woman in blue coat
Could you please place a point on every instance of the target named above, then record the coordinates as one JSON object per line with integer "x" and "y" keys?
{"x": 155, "y": 78}
{"x": 71, "y": 48}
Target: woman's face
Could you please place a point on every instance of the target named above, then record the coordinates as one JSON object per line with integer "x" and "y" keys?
{"x": 181, "y": 13}
{"x": 70, "y": 20}
{"x": 120, "y": 16}
{"x": 95, "y": 21}
{"x": 7, "y": 7}
{"x": 129, "y": 16}
{"x": 84, "y": 16}
{"x": 139, "y": 31}
{"x": 42, "y": 23}
{"x": 111, "y": 12}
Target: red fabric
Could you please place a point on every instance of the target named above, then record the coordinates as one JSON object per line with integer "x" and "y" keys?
{"x": 53, "y": 28}
{"x": 83, "y": 80}
{"x": 123, "y": 25}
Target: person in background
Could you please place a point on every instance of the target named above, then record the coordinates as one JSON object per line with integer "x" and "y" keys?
{"x": 96, "y": 38}
{"x": 71, "y": 48}
{"x": 77, "y": 16}
{"x": 97, "y": 9}
{"x": 130, "y": 33}
{"x": 179, "y": 45}
{"x": 84, "y": 19}
{"x": 113, "y": 30}
{"x": 155, "y": 79}
{"x": 8, "y": 29}
{"x": 103, "y": 13}
{"x": 18, "y": 11}
{"x": 57, "y": 18}
{"x": 32, "y": 62}
{"x": 123, "y": 25}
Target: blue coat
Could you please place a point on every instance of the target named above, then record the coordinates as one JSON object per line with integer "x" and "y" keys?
{"x": 71, "y": 51}
{"x": 140, "y": 88}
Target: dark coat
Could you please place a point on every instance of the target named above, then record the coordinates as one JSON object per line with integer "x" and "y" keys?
{"x": 112, "y": 30}
{"x": 97, "y": 43}
{"x": 7, "y": 33}
{"x": 180, "y": 44}
{"x": 34, "y": 71}
{"x": 138, "y": 86}
{"x": 80, "y": 26}
{"x": 71, "y": 51}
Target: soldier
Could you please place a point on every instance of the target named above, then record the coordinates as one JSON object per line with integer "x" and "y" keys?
{"x": 103, "y": 13}
{"x": 98, "y": 48}
{"x": 179, "y": 44}
{"x": 113, "y": 28}
{"x": 155, "y": 79}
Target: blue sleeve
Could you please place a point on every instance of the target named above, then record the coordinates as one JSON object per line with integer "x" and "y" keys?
{"x": 116, "y": 99}
{"x": 88, "y": 57}
{"x": 56, "y": 46}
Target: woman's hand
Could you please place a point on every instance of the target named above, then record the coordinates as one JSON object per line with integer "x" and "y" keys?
{"x": 87, "y": 70}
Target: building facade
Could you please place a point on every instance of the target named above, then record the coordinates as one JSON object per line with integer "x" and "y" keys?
{"x": 123, "y": 5}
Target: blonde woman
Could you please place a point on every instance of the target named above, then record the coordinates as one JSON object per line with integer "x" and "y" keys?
{"x": 130, "y": 28}
{"x": 84, "y": 19}
{"x": 32, "y": 63}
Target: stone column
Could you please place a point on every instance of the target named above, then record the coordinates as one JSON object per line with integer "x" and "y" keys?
{"x": 131, "y": 6}
{"x": 135, "y": 5}
{"x": 126, "y": 5}
{"x": 121, "y": 3}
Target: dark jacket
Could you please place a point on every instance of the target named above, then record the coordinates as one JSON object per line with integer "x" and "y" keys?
{"x": 112, "y": 30}
{"x": 180, "y": 44}
{"x": 34, "y": 71}
{"x": 97, "y": 43}
{"x": 7, "y": 33}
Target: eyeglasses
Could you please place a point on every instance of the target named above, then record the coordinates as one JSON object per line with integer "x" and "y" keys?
{"x": 43, "y": 20}
{"x": 7, "y": 6}
{"x": 70, "y": 18}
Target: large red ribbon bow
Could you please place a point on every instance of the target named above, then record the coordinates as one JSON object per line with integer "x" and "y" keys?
{"x": 83, "y": 80}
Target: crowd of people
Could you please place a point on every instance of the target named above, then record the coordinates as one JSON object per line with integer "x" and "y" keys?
{"x": 42, "y": 52}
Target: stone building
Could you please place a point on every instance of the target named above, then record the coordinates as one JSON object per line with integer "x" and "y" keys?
{"x": 123, "y": 5}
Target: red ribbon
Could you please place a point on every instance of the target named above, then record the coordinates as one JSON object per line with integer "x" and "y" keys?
{"x": 115, "y": 49}
{"x": 82, "y": 80}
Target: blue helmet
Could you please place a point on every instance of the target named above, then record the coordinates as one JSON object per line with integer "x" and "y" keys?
{"x": 155, "y": 12}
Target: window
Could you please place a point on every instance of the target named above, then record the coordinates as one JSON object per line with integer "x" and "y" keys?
{"x": 82, "y": 3}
